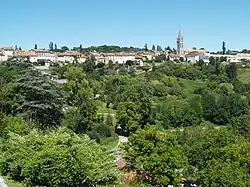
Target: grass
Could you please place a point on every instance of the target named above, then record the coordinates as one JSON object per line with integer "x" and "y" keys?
{"x": 109, "y": 143}
{"x": 191, "y": 85}
{"x": 12, "y": 183}
{"x": 102, "y": 109}
{"x": 244, "y": 75}
{"x": 187, "y": 86}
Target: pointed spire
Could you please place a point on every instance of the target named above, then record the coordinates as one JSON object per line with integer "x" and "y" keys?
{"x": 179, "y": 35}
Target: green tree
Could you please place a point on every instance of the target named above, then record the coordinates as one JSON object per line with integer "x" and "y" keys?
{"x": 176, "y": 113}
{"x": 146, "y": 47}
{"x": 212, "y": 60}
{"x": 224, "y": 48}
{"x": 35, "y": 46}
{"x": 181, "y": 59}
{"x": 153, "y": 47}
{"x": 80, "y": 48}
{"x": 51, "y": 46}
{"x": 55, "y": 47}
{"x": 159, "y": 48}
{"x": 7, "y": 79}
{"x": 39, "y": 99}
{"x": 241, "y": 125}
{"x": 156, "y": 157}
{"x": 64, "y": 48}
{"x": 128, "y": 118}
{"x": 169, "y": 49}
{"x": 231, "y": 70}
{"x": 217, "y": 68}
{"x": 219, "y": 173}
{"x": 57, "y": 159}
{"x": 80, "y": 96}
{"x": 13, "y": 124}
{"x": 109, "y": 120}
{"x": 215, "y": 156}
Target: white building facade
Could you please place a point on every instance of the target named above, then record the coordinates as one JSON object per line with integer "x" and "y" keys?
{"x": 120, "y": 58}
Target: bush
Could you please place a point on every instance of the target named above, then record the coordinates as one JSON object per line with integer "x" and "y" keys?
{"x": 57, "y": 159}
{"x": 13, "y": 124}
{"x": 156, "y": 157}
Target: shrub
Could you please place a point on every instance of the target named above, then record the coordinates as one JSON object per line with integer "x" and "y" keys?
{"x": 57, "y": 159}
{"x": 13, "y": 124}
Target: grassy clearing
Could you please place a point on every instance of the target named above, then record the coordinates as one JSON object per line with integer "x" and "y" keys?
{"x": 244, "y": 75}
{"x": 12, "y": 183}
{"x": 102, "y": 109}
{"x": 191, "y": 85}
{"x": 109, "y": 143}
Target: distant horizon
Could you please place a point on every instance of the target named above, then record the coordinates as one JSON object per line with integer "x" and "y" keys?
{"x": 121, "y": 46}
{"x": 127, "y": 23}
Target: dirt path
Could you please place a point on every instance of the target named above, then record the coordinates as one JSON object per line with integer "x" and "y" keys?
{"x": 2, "y": 182}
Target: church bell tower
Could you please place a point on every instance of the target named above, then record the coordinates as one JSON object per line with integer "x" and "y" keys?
{"x": 180, "y": 42}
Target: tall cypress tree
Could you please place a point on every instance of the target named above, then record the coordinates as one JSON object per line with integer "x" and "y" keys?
{"x": 224, "y": 48}
{"x": 153, "y": 47}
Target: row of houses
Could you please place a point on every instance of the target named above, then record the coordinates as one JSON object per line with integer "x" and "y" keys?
{"x": 197, "y": 55}
{"x": 41, "y": 55}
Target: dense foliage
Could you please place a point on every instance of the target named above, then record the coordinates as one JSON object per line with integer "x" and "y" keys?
{"x": 185, "y": 122}
{"x": 56, "y": 159}
{"x": 156, "y": 157}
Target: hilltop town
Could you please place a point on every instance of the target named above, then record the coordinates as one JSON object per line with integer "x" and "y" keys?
{"x": 125, "y": 117}
{"x": 140, "y": 56}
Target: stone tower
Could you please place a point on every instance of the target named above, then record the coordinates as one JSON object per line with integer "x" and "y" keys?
{"x": 180, "y": 42}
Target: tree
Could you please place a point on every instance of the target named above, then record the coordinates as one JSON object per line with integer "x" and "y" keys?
{"x": 51, "y": 46}
{"x": 7, "y": 80}
{"x": 35, "y": 46}
{"x": 174, "y": 50}
{"x": 145, "y": 68}
{"x": 57, "y": 159}
{"x": 241, "y": 125}
{"x": 129, "y": 63}
{"x": 217, "y": 68}
{"x": 219, "y": 173}
{"x": 231, "y": 70}
{"x": 168, "y": 48}
{"x": 146, "y": 47}
{"x": 64, "y": 48}
{"x": 159, "y": 48}
{"x": 174, "y": 113}
{"x": 13, "y": 124}
{"x": 39, "y": 99}
{"x": 216, "y": 157}
{"x": 123, "y": 70}
{"x": 224, "y": 48}
{"x": 55, "y": 47}
{"x": 156, "y": 157}
{"x": 20, "y": 49}
{"x": 80, "y": 48}
{"x": 212, "y": 60}
{"x": 109, "y": 120}
{"x": 153, "y": 47}
{"x": 16, "y": 48}
{"x": 81, "y": 98}
{"x": 128, "y": 119}
{"x": 181, "y": 59}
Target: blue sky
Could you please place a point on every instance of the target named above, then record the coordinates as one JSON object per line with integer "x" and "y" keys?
{"x": 125, "y": 22}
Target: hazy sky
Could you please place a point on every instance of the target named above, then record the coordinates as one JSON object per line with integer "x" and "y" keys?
{"x": 125, "y": 22}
